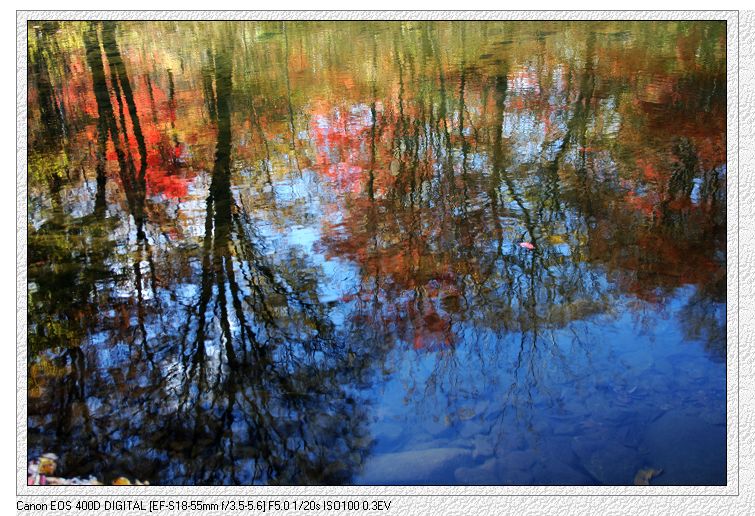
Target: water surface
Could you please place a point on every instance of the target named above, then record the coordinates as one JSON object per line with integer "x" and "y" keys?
{"x": 290, "y": 253}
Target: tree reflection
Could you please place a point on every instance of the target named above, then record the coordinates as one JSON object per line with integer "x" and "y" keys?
{"x": 438, "y": 246}
{"x": 276, "y": 223}
{"x": 256, "y": 389}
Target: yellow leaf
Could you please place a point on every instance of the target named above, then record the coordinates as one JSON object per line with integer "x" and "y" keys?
{"x": 643, "y": 476}
{"x": 557, "y": 239}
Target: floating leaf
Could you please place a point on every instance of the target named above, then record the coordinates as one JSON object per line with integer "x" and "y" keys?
{"x": 643, "y": 476}
{"x": 557, "y": 239}
{"x": 47, "y": 464}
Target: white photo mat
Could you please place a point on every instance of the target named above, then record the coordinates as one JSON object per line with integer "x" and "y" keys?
{"x": 469, "y": 499}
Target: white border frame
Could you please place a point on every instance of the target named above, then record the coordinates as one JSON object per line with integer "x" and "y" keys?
{"x": 443, "y": 492}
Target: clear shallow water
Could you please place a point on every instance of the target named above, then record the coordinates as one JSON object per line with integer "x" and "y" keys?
{"x": 290, "y": 253}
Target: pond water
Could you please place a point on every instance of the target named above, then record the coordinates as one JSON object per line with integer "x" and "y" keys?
{"x": 378, "y": 252}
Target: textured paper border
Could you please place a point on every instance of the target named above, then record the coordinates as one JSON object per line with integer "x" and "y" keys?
{"x": 444, "y": 493}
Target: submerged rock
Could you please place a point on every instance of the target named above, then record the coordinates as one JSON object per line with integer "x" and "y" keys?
{"x": 430, "y": 466}
{"x": 484, "y": 474}
{"x": 484, "y": 446}
{"x": 520, "y": 459}
{"x": 516, "y": 467}
{"x": 608, "y": 462}
{"x": 556, "y": 472}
